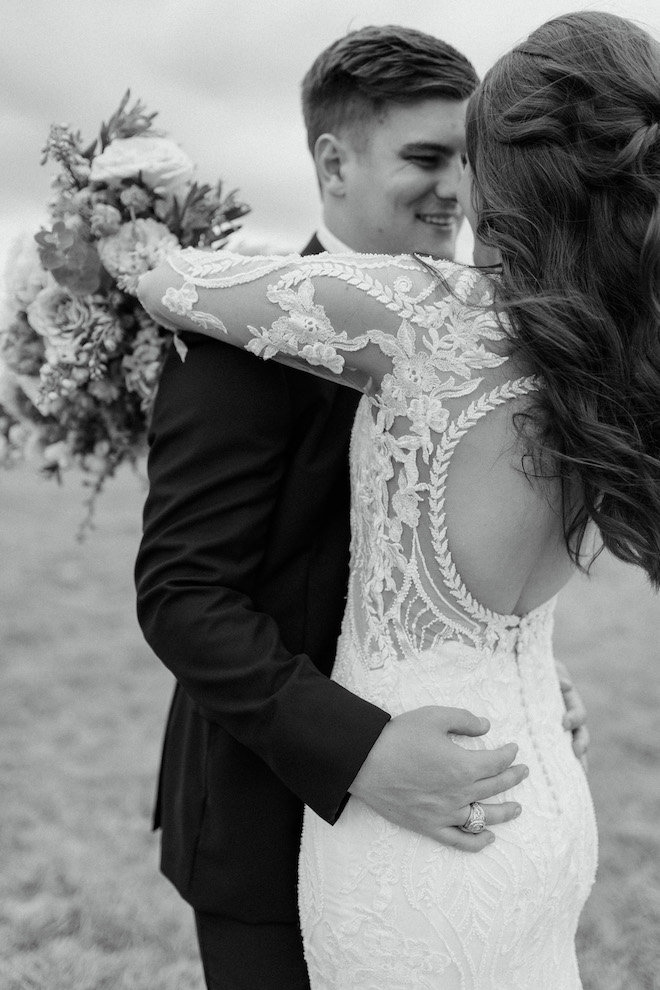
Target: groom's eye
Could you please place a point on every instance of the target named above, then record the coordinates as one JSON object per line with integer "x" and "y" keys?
{"x": 424, "y": 161}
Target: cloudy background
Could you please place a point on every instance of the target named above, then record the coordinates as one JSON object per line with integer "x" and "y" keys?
{"x": 224, "y": 76}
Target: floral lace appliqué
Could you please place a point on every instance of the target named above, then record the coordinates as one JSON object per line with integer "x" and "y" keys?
{"x": 436, "y": 355}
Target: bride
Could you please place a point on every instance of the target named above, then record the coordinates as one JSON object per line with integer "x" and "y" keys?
{"x": 508, "y": 418}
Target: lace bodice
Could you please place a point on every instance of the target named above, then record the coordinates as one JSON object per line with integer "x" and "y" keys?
{"x": 431, "y": 357}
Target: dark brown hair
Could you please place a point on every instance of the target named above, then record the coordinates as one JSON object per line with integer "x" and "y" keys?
{"x": 563, "y": 139}
{"x": 354, "y": 79}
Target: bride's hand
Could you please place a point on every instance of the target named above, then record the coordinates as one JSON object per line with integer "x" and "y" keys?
{"x": 418, "y": 778}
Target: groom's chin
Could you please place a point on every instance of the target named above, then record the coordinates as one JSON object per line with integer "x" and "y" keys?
{"x": 445, "y": 251}
{"x": 438, "y": 243}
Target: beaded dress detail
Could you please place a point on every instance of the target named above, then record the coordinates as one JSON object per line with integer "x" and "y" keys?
{"x": 383, "y": 908}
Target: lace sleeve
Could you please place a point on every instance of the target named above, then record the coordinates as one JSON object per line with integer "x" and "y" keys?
{"x": 353, "y": 318}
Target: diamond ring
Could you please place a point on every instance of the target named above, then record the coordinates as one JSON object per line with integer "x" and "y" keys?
{"x": 476, "y": 820}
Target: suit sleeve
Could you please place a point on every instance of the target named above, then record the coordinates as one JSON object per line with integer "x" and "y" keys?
{"x": 219, "y": 435}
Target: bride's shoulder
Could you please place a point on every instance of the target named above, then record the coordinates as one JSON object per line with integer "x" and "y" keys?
{"x": 456, "y": 283}
{"x": 467, "y": 284}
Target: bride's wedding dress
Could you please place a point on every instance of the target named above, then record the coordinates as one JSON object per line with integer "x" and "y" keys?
{"x": 383, "y": 908}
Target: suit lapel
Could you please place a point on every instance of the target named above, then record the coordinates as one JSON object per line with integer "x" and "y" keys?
{"x": 314, "y": 247}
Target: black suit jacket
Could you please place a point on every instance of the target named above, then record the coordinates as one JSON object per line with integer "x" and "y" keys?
{"x": 241, "y": 579}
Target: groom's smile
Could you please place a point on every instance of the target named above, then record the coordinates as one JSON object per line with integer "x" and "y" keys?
{"x": 401, "y": 180}
{"x": 446, "y": 220}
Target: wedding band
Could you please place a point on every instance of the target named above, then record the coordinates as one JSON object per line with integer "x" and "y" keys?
{"x": 476, "y": 820}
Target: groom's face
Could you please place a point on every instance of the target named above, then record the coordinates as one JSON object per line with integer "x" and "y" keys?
{"x": 402, "y": 180}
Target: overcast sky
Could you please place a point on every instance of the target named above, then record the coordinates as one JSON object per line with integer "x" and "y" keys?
{"x": 224, "y": 76}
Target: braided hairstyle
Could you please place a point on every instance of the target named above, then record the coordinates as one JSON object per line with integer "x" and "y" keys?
{"x": 563, "y": 139}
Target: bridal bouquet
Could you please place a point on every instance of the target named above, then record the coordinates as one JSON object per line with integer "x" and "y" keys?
{"x": 79, "y": 357}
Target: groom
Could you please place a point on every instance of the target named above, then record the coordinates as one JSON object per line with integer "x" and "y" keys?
{"x": 242, "y": 570}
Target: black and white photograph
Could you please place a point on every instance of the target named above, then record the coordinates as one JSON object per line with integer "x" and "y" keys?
{"x": 330, "y": 495}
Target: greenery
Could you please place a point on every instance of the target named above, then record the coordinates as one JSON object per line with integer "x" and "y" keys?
{"x": 82, "y": 708}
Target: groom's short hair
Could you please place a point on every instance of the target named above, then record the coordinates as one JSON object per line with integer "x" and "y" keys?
{"x": 353, "y": 80}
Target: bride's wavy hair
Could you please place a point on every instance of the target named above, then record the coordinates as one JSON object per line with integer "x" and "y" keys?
{"x": 564, "y": 142}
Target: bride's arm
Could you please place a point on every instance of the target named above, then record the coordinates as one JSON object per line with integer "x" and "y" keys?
{"x": 337, "y": 317}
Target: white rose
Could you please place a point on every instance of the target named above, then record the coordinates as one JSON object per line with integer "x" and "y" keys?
{"x": 164, "y": 167}
{"x": 60, "y": 319}
{"x": 64, "y": 320}
{"x": 137, "y": 248}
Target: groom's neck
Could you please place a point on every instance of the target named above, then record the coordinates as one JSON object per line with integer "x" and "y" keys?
{"x": 330, "y": 241}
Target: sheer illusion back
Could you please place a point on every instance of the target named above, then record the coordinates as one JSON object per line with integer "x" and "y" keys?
{"x": 453, "y": 554}
{"x": 431, "y": 356}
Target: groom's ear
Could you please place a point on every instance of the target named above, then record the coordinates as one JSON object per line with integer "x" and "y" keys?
{"x": 330, "y": 154}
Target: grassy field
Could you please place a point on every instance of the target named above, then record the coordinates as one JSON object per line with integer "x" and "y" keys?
{"x": 82, "y": 705}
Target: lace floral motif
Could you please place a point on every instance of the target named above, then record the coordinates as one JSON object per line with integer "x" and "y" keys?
{"x": 434, "y": 356}
{"x": 381, "y": 908}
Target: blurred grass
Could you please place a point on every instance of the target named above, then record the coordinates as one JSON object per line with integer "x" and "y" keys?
{"x": 608, "y": 633}
{"x": 82, "y": 708}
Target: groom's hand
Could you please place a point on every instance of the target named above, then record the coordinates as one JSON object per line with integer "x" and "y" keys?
{"x": 575, "y": 718}
{"x": 418, "y": 778}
